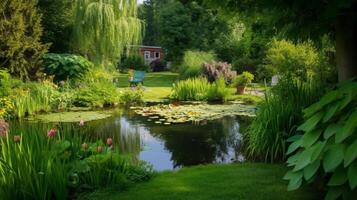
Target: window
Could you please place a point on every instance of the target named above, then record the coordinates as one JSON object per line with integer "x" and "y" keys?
{"x": 157, "y": 54}
{"x": 147, "y": 54}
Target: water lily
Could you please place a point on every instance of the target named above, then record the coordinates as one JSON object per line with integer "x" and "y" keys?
{"x": 17, "y": 138}
{"x": 99, "y": 149}
{"x": 81, "y": 123}
{"x": 85, "y": 146}
{"x": 109, "y": 141}
{"x": 51, "y": 133}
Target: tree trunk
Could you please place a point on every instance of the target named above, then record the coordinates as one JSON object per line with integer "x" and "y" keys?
{"x": 346, "y": 45}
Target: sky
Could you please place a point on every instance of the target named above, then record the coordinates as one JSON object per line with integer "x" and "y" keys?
{"x": 140, "y": 1}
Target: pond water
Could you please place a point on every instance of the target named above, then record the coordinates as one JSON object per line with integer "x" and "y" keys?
{"x": 166, "y": 147}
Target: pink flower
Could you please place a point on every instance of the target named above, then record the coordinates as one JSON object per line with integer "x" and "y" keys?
{"x": 109, "y": 141}
{"x": 85, "y": 146}
{"x": 99, "y": 149}
{"x": 62, "y": 83}
{"x": 3, "y": 128}
{"x": 51, "y": 133}
{"x": 17, "y": 138}
{"x": 81, "y": 123}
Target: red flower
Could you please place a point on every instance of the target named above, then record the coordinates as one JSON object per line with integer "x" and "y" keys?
{"x": 17, "y": 138}
{"x": 109, "y": 141}
{"x": 51, "y": 133}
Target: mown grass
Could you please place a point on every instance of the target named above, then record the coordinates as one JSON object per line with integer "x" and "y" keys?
{"x": 235, "y": 181}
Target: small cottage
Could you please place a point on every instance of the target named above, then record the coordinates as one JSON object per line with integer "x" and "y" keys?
{"x": 150, "y": 53}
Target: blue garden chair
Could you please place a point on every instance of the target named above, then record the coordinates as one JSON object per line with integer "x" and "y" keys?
{"x": 138, "y": 77}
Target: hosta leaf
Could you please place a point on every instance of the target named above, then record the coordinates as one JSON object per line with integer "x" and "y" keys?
{"x": 294, "y": 138}
{"x": 311, "y": 137}
{"x": 339, "y": 177}
{"x": 348, "y": 128}
{"x": 311, "y": 123}
{"x": 293, "y": 159}
{"x": 345, "y": 101}
{"x": 311, "y": 169}
{"x": 304, "y": 159}
{"x": 293, "y": 175}
{"x": 351, "y": 153}
{"x": 328, "y": 98}
{"x": 333, "y": 193}
{"x": 318, "y": 147}
{"x": 331, "y": 130}
{"x": 352, "y": 175}
{"x": 293, "y": 146}
{"x": 333, "y": 157}
{"x": 331, "y": 112}
{"x": 294, "y": 184}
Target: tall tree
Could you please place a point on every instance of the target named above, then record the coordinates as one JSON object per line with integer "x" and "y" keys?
{"x": 310, "y": 19}
{"x": 57, "y": 23}
{"x": 103, "y": 28}
{"x": 20, "y": 34}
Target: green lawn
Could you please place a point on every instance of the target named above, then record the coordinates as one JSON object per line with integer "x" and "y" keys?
{"x": 217, "y": 182}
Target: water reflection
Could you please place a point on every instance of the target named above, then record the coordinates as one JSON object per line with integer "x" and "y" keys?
{"x": 165, "y": 147}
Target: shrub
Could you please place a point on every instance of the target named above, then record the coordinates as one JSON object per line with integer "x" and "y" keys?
{"x": 132, "y": 96}
{"x": 65, "y": 66}
{"x": 5, "y": 83}
{"x": 243, "y": 79}
{"x": 199, "y": 89}
{"x": 329, "y": 144}
{"x": 193, "y": 61}
{"x": 6, "y": 107}
{"x": 158, "y": 65}
{"x": 287, "y": 59}
{"x": 277, "y": 118}
{"x": 133, "y": 61}
{"x": 213, "y": 71}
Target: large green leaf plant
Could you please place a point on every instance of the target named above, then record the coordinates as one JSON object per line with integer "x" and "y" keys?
{"x": 328, "y": 148}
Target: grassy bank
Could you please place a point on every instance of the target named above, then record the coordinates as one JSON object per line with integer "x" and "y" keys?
{"x": 235, "y": 181}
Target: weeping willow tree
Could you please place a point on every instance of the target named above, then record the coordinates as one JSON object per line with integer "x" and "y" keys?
{"x": 103, "y": 28}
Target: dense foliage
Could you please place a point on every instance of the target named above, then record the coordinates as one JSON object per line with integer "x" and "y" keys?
{"x": 54, "y": 164}
{"x": 65, "y": 66}
{"x": 102, "y": 29}
{"x": 192, "y": 63}
{"x": 277, "y": 118}
{"x": 20, "y": 34}
{"x": 328, "y": 146}
{"x": 133, "y": 61}
{"x": 243, "y": 79}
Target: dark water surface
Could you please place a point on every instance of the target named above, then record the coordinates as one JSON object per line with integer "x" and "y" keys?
{"x": 166, "y": 147}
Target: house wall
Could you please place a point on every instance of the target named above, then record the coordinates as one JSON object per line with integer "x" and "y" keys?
{"x": 152, "y": 51}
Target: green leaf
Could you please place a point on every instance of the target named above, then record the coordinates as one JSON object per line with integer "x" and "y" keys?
{"x": 318, "y": 147}
{"x": 294, "y": 138}
{"x": 333, "y": 193}
{"x": 333, "y": 157}
{"x": 293, "y": 175}
{"x": 352, "y": 175}
{"x": 331, "y": 112}
{"x": 304, "y": 159}
{"x": 293, "y": 146}
{"x": 328, "y": 98}
{"x": 311, "y": 123}
{"x": 311, "y": 169}
{"x": 339, "y": 177}
{"x": 311, "y": 137}
{"x": 294, "y": 184}
{"x": 348, "y": 128}
{"x": 331, "y": 130}
{"x": 351, "y": 153}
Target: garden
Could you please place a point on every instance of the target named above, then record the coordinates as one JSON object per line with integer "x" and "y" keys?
{"x": 175, "y": 99}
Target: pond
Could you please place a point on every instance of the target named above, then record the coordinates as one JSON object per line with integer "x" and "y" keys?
{"x": 165, "y": 147}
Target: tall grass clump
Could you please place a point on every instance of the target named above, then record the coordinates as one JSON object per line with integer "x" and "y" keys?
{"x": 193, "y": 61}
{"x": 60, "y": 163}
{"x": 199, "y": 89}
{"x": 278, "y": 117}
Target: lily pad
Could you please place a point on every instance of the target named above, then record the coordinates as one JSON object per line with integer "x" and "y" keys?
{"x": 73, "y": 116}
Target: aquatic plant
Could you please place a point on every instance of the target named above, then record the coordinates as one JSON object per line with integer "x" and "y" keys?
{"x": 277, "y": 118}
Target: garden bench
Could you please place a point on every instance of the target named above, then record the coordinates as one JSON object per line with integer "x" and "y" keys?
{"x": 138, "y": 77}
